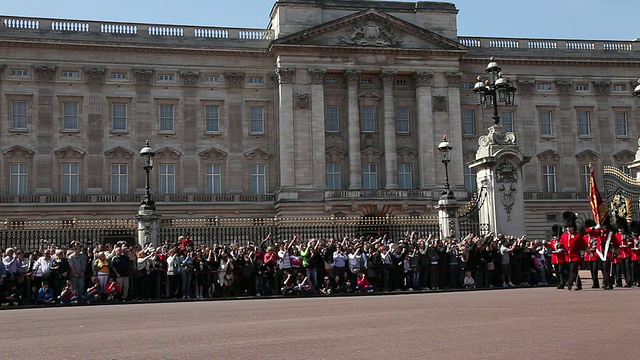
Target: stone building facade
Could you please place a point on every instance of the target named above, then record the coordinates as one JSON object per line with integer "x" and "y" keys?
{"x": 336, "y": 107}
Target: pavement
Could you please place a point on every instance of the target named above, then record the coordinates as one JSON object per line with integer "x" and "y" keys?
{"x": 520, "y": 323}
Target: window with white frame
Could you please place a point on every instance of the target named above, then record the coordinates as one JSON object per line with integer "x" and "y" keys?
{"x": 256, "y": 114}
{"x": 470, "y": 179}
{"x": 119, "y": 76}
{"x": 71, "y": 74}
{"x": 258, "y": 179}
{"x": 468, "y": 122}
{"x": 619, "y": 87}
{"x": 18, "y": 179}
{"x": 19, "y": 115}
{"x": 213, "y": 179}
{"x": 506, "y": 119}
{"x": 119, "y": 117}
{"x": 366, "y": 81}
{"x": 582, "y": 87}
{"x": 405, "y": 181}
{"x": 211, "y": 79}
{"x": 549, "y": 178}
{"x": 543, "y": 86}
{"x": 167, "y": 177}
{"x": 256, "y": 80}
{"x": 622, "y": 125}
{"x": 369, "y": 176}
{"x": 330, "y": 80}
{"x": 331, "y": 119}
{"x": 19, "y": 72}
{"x": 584, "y": 123}
{"x": 212, "y": 118}
{"x": 402, "y": 119}
{"x": 166, "y": 117}
{"x": 70, "y": 116}
{"x": 545, "y": 122}
{"x": 70, "y": 183}
{"x": 585, "y": 177}
{"x": 334, "y": 176}
{"x": 367, "y": 119}
{"x": 119, "y": 179}
{"x": 165, "y": 77}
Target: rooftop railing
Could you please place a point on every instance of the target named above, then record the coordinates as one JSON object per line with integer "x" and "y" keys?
{"x": 550, "y": 44}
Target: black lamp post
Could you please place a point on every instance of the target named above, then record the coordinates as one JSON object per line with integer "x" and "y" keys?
{"x": 147, "y": 155}
{"x": 445, "y": 152}
{"x": 494, "y": 90}
{"x": 636, "y": 93}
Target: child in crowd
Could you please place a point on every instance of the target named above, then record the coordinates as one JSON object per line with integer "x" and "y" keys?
{"x": 93, "y": 294}
{"x": 12, "y": 296}
{"x": 363, "y": 284}
{"x": 469, "y": 282}
{"x": 68, "y": 294}
{"x": 114, "y": 292}
{"x": 46, "y": 294}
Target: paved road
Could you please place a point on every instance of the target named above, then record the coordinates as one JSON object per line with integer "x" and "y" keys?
{"x": 536, "y": 323}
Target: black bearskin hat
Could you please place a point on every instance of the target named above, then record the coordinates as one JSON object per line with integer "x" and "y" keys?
{"x": 556, "y": 230}
{"x": 587, "y": 224}
{"x": 634, "y": 227}
{"x": 622, "y": 225}
{"x": 569, "y": 218}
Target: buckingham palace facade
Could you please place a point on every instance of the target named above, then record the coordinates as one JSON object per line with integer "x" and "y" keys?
{"x": 335, "y": 107}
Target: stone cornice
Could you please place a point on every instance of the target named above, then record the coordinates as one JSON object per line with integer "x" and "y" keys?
{"x": 545, "y": 60}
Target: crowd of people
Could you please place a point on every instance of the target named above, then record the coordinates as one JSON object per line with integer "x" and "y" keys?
{"x": 80, "y": 273}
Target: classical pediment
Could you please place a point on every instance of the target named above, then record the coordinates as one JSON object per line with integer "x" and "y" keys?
{"x": 549, "y": 156}
{"x": 257, "y": 154}
{"x": 370, "y": 29}
{"x": 213, "y": 153}
{"x": 69, "y": 152}
{"x": 168, "y": 152}
{"x": 119, "y": 152}
{"x": 406, "y": 155}
{"x": 370, "y": 155}
{"x": 588, "y": 156}
{"x": 624, "y": 157}
{"x": 18, "y": 151}
{"x": 334, "y": 154}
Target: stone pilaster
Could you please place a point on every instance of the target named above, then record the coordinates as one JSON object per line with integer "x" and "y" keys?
{"x": 426, "y": 139}
{"x": 96, "y": 128}
{"x": 44, "y": 76}
{"x": 190, "y": 129}
{"x": 318, "y": 127}
{"x": 286, "y": 139}
{"x": 353, "y": 114}
{"x": 390, "y": 148}
{"x": 142, "y": 127}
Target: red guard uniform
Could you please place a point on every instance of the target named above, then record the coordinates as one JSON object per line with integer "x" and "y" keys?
{"x": 558, "y": 260}
{"x": 607, "y": 257}
{"x": 574, "y": 244}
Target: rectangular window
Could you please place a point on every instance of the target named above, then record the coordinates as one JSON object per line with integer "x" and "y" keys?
{"x": 367, "y": 119}
{"x": 330, "y": 80}
{"x": 402, "y": 120}
{"x": 71, "y": 74}
{"x": 549, "y": 178}
{"x": 119, "y": 76}
{"x": 211, "y": 79}
{"x": 366, "y": 81}
{"x": 212, "y": 118}
{"x": 468, "y": 122}
{"x": 331, "y": 119}
{"x": 585, "y": 177}
{"x": 507, "y": 121}
{"x": 404, "y": 176}
{"x": 19, "y": 72}
{"x": 256, "y": 80}
{"x": 213, "y": 179}
{"x": 70, "y": 181}
{"x": 622, "y": 126}
{"x": 334, "y": 176}
{"x": 18, "y": 179}
{"x": 582, "y": 87}
{"x": 584, "y": 123}
{"x": 166, "y": 117}
{"x": 167, "y": 175}
{"x": 369, "y": 176}
{"x": 466, "y": 86}
{"x": 544, "y": 86}
{"x": 619, "y": 87}
{"x": 19, "y": 115}
{"x": 70, "y": 116}
{"x": 119, "y": 117}
{"x": 258, "y": 179}
{"x": 119, "y": 178}
{"x": 165, "y": 77}
{"x": 545, "y": 123}
{"x": 470, "y": 179}
{"x": 625, "y": 169}
{"x": 401, "y": 82}
{"x": 257, "y": 120}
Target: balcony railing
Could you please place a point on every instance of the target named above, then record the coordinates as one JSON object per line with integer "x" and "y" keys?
{"x": 41, "y": 26}
{"x": 134, "y": 198}
{"x": 573, "y": 195}
{"x": 550, "y": 44}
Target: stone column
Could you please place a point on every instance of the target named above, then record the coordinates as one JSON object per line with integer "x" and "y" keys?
{"x": 236, "y": 159}
{"x": 448, "y": 217}
{"x": 142, "y": 123}
{"x": 190, "y": 129}
{"x": 45, "y": 76}
{"x": 498, "y": 167}
{"x": 390, "y": 152}
{"x": 452, "y": 106}
{"x": 147, "y": 227}
{"x": 286, "y": 132}
{"x": 95, "y": 132}
{"x": 353, "y": 113}
{"x": 319, "y": 180}
{"x": 426, "y": 143}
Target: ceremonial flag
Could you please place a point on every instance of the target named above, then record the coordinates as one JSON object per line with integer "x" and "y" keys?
{"x": 598, "y": 208}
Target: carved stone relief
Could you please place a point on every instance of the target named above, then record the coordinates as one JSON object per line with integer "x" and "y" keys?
{"x": 302, "y": 100}
{"x": 439, "y": 103}
{"x": 370, "y": 34}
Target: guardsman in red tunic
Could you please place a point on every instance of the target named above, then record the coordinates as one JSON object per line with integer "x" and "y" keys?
{"x": 557, "y": 255}
{"x": 606, "y": 248}
{"x": 623, "y": 263}
{"x": 591, "y": 259}
{"x": 634, "y": 227}
{"x": 573, "y": 243}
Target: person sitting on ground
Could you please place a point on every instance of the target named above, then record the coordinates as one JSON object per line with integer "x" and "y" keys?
{"x": 303, "y": 285}
{"x": 114, "y": 291}
{"x": 12, "y": 296}
{"x": 287, "y": 285}
{"x": 46, "y": 294}
{"x": 468, "y": 282}
{"x": 363, "y": 284}
{"x": 339, "y": 286}
{"x": 69, "y": 294}
{"x": 326, "y": 287}
{"x": 94, "y": 291}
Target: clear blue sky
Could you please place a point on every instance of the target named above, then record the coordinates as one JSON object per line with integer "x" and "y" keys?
{"x": 554, "y": 19}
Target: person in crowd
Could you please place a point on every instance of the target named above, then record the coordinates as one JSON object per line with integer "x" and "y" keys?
{"x": 46, "y": 295}
{"x": 102, "y": 269}
{"x": 68, "y": 295}
{"x": 303, "y": 285}
{"x": 59, "y": 270}
{"x": 41, "y": 270}
{"x": 12, "y": 296}
{"x": 121, "y": 266}
{"x": 468, "y": 282}
{"x": 186, "y": 272}
{"x": 226, "y": 273}
{"x": 201, "y": 271}
{"x": 114, "y": 291}
{"x": 77, "y": 267}
{"x": 93, "y": 294}
{"x": 327, "y": 286}
{"x": 144, "y": 262}
{"x": 507, "y": 246}
{"x": 362, "y": 284}
{"x": 173, "y": 274}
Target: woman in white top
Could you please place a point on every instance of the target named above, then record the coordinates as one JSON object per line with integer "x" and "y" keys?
{"x": 173, "y": 274}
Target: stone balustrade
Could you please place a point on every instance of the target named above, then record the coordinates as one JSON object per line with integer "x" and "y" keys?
{"x": 550, "y": 44}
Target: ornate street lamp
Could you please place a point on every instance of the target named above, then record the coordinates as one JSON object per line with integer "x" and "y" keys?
{"x": 147, "y": 155}
{"x": 494, "y": 90}
{"x": 636, "y": 93}
{"x": 445, "y": 152}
